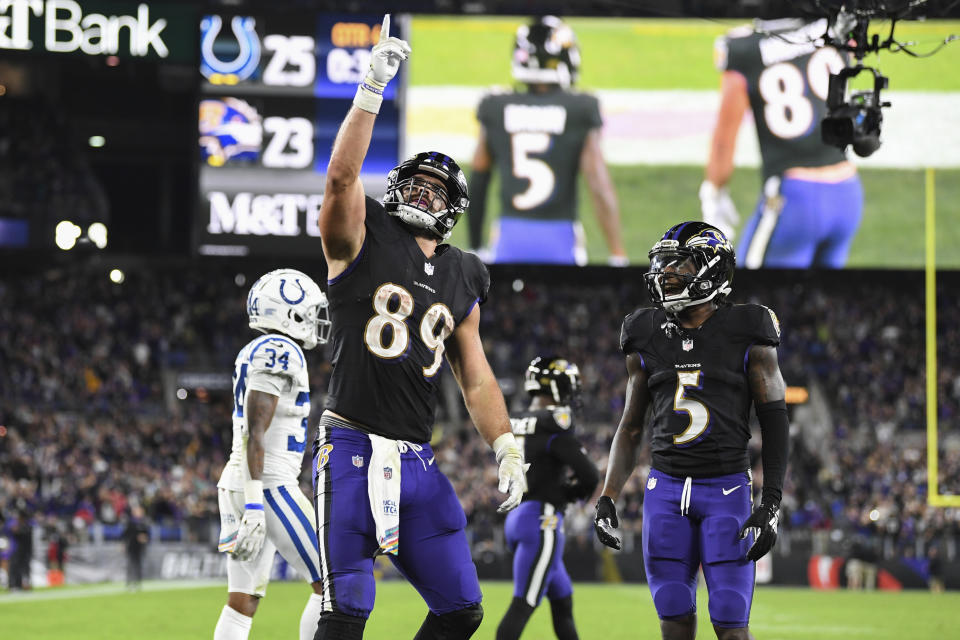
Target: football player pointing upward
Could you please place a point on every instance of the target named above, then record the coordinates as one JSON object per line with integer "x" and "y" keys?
{"x": 262, "y": 509}
{"x": 400, "y": 302}
{"x": 699, "y": 363}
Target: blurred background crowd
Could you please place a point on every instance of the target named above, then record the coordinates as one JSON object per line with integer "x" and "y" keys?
{"x": 98, "y": 417}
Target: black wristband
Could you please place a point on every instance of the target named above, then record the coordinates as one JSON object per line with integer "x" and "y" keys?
{"x": 775, "y": 429}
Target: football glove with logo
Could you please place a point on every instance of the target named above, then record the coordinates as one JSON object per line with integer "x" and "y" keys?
{"x": 763, "y": 520}
{"x": 385, "y": 61}
{"x": 606, "y": 522}
{"x": 718, "y": 208}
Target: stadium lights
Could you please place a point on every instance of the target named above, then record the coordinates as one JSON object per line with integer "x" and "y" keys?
{"x": 97, "y": 233}
{"x": 97, "y": 141}
{"x": 117, "y": 276}
{"x": 66, "y": 234}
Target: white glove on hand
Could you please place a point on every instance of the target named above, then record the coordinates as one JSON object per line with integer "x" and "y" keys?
{"x": 250, "y": 537}
{"x": 718, "y": 208}
{"x": 385, "y": 61}
{"x": 512, "y": 472}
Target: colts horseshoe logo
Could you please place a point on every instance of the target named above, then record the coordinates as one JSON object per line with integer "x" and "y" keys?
{"x": 303, "y": 292}
{"x": 248, "y": 50}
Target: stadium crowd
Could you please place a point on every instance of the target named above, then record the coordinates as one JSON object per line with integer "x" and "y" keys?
{"x": 91, "y": 423}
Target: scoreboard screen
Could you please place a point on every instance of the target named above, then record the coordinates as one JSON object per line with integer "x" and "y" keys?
{"x": 275, "y": 90}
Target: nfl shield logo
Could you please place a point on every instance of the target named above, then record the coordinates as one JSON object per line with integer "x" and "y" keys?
{"x": 358, "y": 461}
{"x": 687, "y": 344}
{"x": 387, "y": 473}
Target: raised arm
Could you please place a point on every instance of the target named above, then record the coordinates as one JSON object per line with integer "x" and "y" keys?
{"x": 484, "y": 401}
{"x": 343, "y": 210}
{"x": 603, "y": 195}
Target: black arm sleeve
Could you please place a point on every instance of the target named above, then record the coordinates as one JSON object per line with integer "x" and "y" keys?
{"x": 479, "y": 185}
{"x": 775, "y": 430}
{"x": 567, "y": 449}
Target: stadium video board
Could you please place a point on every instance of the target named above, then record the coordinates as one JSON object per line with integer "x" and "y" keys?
{"x": 657, "y": 87}
{"x": 275, "y": 89}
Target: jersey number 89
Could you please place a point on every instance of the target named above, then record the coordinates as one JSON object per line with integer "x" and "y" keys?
{"x": 435, "y": 327}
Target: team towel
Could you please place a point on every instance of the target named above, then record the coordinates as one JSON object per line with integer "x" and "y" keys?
{"x": 383, "y": 489}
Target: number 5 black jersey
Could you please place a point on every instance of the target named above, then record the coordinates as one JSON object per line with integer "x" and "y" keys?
{"x": 391, "y": 310}
{"x": 536, "y": 140}
{"x": 697, "y": 378}
{"x": 787, "y": 78}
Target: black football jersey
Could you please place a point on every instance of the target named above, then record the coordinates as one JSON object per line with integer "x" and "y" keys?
{"x": 700, "y": 398}
{"x": 553, "y": 452}
{"x": 535, "y": 140}
{"x": 391, "y": 311}
{"x": 787, "y": 80}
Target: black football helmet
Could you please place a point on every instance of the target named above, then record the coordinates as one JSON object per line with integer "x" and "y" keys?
{"x": 546, "y": 52}
{"x": 555, "y": 377}
{"x": 421, "y": 203}
{"x": 691, "y": 264}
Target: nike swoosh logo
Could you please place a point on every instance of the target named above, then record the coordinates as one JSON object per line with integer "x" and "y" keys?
{"x": 430, "y": 461}
{"x": 727, "y": 492}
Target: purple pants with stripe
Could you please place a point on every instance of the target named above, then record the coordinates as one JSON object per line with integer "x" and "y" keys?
{"x": 689, "y": 524}
{"x": 534, "y": 532}
{"x": 433, "y": 556}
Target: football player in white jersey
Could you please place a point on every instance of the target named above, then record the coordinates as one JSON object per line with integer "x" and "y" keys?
{"x": 262, "y": 509}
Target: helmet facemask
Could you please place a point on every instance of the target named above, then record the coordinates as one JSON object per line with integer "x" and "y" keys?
{"x": 433, "y": 205}
{"x": 554, "y": 377}
{"x": 288, "y": 301}
{"x": 681, "y": 277}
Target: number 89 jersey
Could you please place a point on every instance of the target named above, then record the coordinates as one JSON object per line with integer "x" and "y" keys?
{"x": 391, "y": 311}
{"x": 697, "y": 379}
{"x": 787, "y": 77}
{"x": 273, "y": 364}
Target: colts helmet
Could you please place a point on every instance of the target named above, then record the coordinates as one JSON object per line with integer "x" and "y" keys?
{"x": 555, "y": 377}
{"x": 546, "y": 52}
{"x": 289, "y": 302}
{"x": 698, "y": 259}
{"x": 421, "y": 203}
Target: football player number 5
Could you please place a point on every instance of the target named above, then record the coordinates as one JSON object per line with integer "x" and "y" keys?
{"x": 393, "y": 305}
{"x": 698, "y": 413}
{"x": 538, "y": 172}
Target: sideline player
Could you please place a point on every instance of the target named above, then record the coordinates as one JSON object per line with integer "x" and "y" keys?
{"x": 534, "y": 530}
{"x": 262, "y": 509}
{"x": 400, "y": 302}
{"x": 540, "y": 141}
{"x": 699, "y": 363}
{"x": 812, "y": 201}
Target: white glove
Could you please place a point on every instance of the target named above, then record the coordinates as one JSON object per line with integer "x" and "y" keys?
{"x": 385, "y": 61}
{"x": 718, "y": 209}
{"x": 512, "y": 472}
{"x": 250, "y": 537}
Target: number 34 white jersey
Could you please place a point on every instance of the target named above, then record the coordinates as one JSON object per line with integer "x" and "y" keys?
{"x": 273, "y": 364}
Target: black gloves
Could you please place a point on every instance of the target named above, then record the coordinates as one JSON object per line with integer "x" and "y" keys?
{"x": 764, "y": 519}
{"x": 606, "y": 521}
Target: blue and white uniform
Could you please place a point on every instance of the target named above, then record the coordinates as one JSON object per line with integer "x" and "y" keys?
{"x": 273, "y": 364}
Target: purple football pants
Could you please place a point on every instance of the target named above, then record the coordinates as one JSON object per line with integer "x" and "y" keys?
{"x": 689, "y": 523}
{"x": 534, "y": 533}
{"x": 433, "y": 552}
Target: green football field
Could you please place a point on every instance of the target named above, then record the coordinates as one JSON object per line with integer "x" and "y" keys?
{"x": 605, "y": 612}
{"x": 650, "y": 54}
